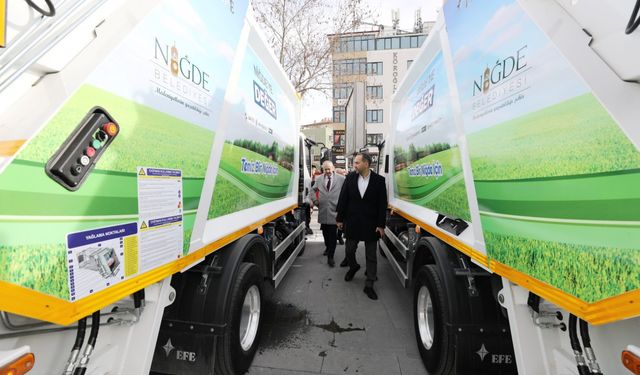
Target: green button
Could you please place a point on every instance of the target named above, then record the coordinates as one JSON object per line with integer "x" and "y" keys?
{"x": 96, "y": 144}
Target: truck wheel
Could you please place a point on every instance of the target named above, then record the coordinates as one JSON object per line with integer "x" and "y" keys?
{"x": 237, "y": 347}
{"x": 431, "y": 312}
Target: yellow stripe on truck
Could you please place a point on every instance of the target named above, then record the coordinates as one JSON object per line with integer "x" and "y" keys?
{"x": 9, "y": 148}
{"x": 609, "y": 310}
{"x": 27, "y": 302}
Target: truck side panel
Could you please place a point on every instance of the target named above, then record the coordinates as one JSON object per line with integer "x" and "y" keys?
{"x": 164, "y": 87}
{"x": 553, "y": 200}
{"x": 553, "y": 172}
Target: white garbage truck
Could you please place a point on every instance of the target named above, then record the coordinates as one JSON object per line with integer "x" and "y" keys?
{"x": 514, "y": 188}
{"x": 151, "y": 170}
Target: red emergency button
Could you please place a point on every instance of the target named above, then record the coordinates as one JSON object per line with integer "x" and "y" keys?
{"x": 110, "y": 128}
{"x": 90, "y": 152}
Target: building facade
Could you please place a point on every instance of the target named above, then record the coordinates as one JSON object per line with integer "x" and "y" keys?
{"x": 380, "y": 58}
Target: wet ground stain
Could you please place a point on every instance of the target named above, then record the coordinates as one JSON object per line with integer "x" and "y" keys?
{"x": 286, "y": 326}
{"x": 333, "y": 327}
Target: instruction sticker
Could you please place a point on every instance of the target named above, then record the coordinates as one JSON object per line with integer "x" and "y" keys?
{"x": 160, "y": 219}
{"x": 95, "y": 258}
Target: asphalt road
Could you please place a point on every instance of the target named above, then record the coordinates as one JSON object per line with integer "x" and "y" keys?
{"x": 316, "y": 323}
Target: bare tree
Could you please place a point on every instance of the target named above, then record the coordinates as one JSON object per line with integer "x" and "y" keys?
{"x": 297, "y": 31}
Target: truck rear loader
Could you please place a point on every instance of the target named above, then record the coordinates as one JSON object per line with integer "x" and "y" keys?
{"x": 150, "y": 172}
{"x": 514, "y": 188}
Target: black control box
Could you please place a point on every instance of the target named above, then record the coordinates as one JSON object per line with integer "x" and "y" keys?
{"x": 76, "y": 157}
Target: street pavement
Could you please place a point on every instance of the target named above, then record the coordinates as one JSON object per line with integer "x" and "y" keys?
{"x": 316, "y": 323}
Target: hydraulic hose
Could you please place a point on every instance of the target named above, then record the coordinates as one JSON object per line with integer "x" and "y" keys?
{"x": 47, "y": 13}
{"x": 95, "y": 327}
{"x": 91, "y": 343}
{"x": 82, "y": 328}
{"x": 138, "y": 299}
{"x": 138, "y": 303}
{"x": 583, "y": 369}
{"x": 594, "y": 367}
{"x": 77, "y": 345}
{"x": 634, "y": 20}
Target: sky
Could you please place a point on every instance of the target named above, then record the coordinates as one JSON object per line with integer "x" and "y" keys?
{"x": 317, "y": 106}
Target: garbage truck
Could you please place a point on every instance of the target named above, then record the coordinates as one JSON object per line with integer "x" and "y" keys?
{"x": 514, "y": 188}
{"x": 151, "y": 170}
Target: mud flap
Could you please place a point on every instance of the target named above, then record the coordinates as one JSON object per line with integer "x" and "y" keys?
{"x": 484, "y": 350}
{"x": 185, "y": 348}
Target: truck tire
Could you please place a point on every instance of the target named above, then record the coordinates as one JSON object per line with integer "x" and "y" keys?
{"x": 237, "y": 347}
{"x": 430, "y": 314}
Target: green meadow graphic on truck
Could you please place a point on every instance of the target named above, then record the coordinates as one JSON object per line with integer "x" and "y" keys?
{"x": 165, "y": 90}
{"x": 556, "y": 178}
{"x": 428, "y": 168}
{"x": 257, "y": 160}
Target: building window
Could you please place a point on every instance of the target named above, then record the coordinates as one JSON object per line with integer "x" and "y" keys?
{"x": 355, "y": 43}
{"x": 395, "y": 43}
{"x": 342, "y": 90}
{"x": 349, "y": 67}
{"x": 338, "y": 114}
{"x": 374, "y": 68}
{"x": 409, "y": 62}
{"x": 374, "y": 115}
{"x": 405, "y": 42}
{"x": 374, "y": 92}
{"x": 374, "y": 139}
{"x": 414, "y": 42}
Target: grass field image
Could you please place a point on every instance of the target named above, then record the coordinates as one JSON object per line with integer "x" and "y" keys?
{"x": 35, "y": 208}
{"x": 558, "y": 198}
{"x": 147, "y": 136}
{"x": 42, "y": 268}
{"x": 445, "y": 193}
{"x": 236, "y": 189}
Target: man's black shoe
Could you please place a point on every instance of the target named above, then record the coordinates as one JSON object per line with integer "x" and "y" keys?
{"x": 344, "y": 263}
{"x": 331, "y": 263}
{"x": 308, "y": 231}
{"x": 351, "y": 273}
{"x": 370, "y": 293}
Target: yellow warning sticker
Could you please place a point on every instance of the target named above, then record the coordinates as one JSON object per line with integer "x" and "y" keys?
{"x": 130, "y": 255}
{"x": 143, "y": 225}
{"x": 141, "y": 173}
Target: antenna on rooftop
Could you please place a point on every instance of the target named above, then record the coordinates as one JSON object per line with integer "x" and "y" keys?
{"x": 418, "y": 26}
{"x": 395, "y": 18}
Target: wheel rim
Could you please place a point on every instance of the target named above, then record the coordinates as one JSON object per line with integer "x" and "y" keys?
{"x": 250, "y": 319}
{"x": 426, "y": 323}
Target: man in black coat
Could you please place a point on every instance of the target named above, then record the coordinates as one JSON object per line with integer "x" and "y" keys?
{"x": 362, "y": 209}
